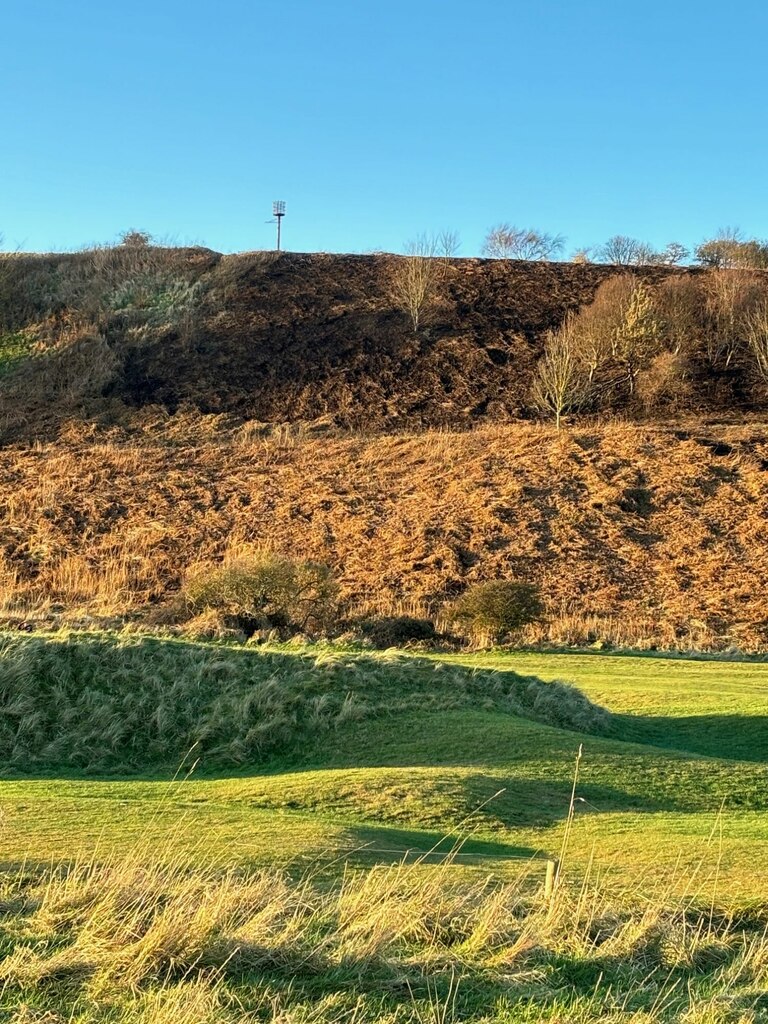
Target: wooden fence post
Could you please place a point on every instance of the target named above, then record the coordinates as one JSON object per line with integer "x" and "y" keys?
{"x": 550, "y": 881}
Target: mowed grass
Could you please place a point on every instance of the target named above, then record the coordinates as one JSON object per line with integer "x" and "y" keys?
{"x": 711, "y": 706}
{"x": 423, "y": 759}
{"x": 360, "y": 838}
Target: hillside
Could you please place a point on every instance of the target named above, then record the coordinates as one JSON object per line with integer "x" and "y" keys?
{"x": 161, "y": 408}
{"x": 281, "y": 337}
{"x": 637, "y": 535}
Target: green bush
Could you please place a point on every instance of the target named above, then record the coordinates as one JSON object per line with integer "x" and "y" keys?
{"x": 397, "y": 630}
{"x": 268, "y": 591}
{"x": 497, "y": 608}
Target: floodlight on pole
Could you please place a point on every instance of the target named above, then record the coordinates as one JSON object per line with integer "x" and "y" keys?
{"x": 278, "y": 211}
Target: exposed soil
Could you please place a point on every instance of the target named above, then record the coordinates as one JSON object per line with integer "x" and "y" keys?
{"x": 294, "y": 337}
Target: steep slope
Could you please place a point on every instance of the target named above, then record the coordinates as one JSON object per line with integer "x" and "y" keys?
{"x": 297, "y": 337}
{"x": 636, "y": 534}
{"x": 277, "y": 337}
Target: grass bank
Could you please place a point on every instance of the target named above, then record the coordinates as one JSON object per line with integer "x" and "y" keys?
{"x": 367, "y": 757}
{"x": 110, "y": 703}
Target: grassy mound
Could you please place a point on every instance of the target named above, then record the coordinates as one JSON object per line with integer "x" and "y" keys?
{"x": 432, "y": 754}
{"x": 99, "y": 702}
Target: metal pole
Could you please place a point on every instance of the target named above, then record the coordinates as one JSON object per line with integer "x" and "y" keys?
{"x": 278, "y": 212}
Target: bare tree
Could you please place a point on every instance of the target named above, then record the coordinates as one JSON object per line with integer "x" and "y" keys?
{"x": 730, "y": 250}
{"x": 638, "y": 335}
{"x": 615, "y": 335}
{"x": 756, "y": 330}
{"x": 597, "y": 328}
{"x": 416, "y": 276}
{"x": 560, "y": 383}
{"x": 672, "y": 254}
{"x": 505, "y": 241}
{"x": 732, "y": 296}
{"x": 624, "y": 252}
{"x": 448, "y": 243}
{"x": 680, "y": 301}
{"x": 722, "y": 251}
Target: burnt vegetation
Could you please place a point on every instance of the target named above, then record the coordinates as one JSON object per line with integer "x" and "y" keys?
{"x": 373, "y": 343}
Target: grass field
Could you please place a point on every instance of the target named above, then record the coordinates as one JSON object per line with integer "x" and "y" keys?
{"x": 397, "y": 764}
{"x": 399, "y": 759}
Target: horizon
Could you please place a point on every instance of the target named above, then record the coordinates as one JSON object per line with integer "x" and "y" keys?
{"x": 690, "y": 262}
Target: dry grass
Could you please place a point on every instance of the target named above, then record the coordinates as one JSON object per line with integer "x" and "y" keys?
{"x": 640, "y": 535}
{"x": 133, "y": 940}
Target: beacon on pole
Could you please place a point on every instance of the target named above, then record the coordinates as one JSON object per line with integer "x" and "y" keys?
{"x": 278, "y": 211}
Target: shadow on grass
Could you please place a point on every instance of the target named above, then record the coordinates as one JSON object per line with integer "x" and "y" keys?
{"x": 385, "y": 845}
{"x": 730, "y": 737}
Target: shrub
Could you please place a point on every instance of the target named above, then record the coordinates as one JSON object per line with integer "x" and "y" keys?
{"x": 598, "y": 326}
{"x": 679, "y": 304}
{"x": 397, "y": 630}
{"x": 135, "y": 238}
{"x": 268, "y": 591}
{"x": 497, "y": 608}
{"x": 562, "y": 381}
{"x": 665, "y": 382}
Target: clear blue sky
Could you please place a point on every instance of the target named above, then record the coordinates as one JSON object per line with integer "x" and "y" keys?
{"x": 377, "y": 119}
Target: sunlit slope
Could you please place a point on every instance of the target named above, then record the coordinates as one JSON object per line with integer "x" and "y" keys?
{"x": 636, "y": 535}
{"x": 713, "y": 707}
{"x": 436, "y": 755}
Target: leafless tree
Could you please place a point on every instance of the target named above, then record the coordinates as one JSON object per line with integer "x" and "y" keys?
{"x": 672, "y": 254}
{"x": 615, "y": 336}
{"x": 722, "y": 251}
{"x": 624, "y": 252}
{"x": 561, "y": 383}
{"x": 680, "y": 301}
{"x": 756, "y": 330}
{"x": 638, "y": 335}
{"x": 730, "y": 250}
{"x": 448, "y": 243}
{"x": 505, "y": 241}
{"x": 416, "y": 276}
{"x": 731, "y": 298}
{"x": 597, "y": 328}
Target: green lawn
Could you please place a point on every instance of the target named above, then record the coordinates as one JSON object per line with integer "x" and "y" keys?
{"x": 266, "y": 881}
{"x": 676, "y": 788}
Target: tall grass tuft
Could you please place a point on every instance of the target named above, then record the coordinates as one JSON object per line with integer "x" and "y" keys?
{"x": 135, "y": 940}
